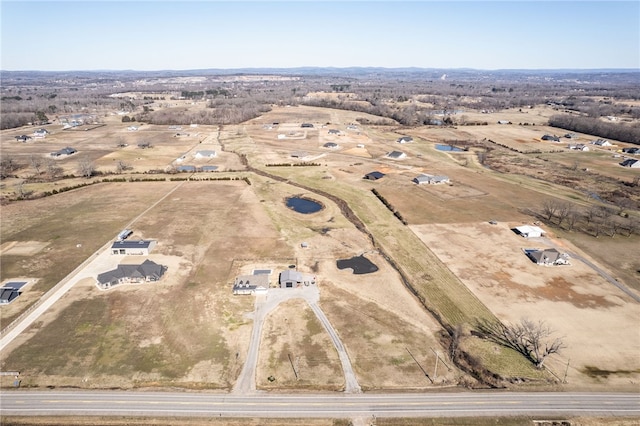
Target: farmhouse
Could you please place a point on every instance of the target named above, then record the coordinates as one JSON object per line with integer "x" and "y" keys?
{"x": 553, "y": 138}
{"x": 630, "y": 162}
{"x": 547, "y": 257}
{"x": 133, "y": 247}
{"x": 601, "y": 142}
{"x": 405, "y": 139}
{"x": 206, "y": 154}
{"x": 251, "y": 284}
{"x": 148, "y": 271}
{"x": 333, "y": 132}
{"x": 40, "y": 133}
{"x": 331, "y": 145}
{"x": 625, "y": 150}
{"x": 23, "y": 138}
{"x": 578, "y": 147}
{"x": 396, "y": 155}
{"x": 430, "y": 179}
{"x": 64, "y": 152}
{"x": 528, "y": 231}
{"x": 374, "y": 176}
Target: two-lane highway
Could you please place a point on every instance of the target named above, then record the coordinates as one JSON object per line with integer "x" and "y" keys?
{"x": 188, "y": 404}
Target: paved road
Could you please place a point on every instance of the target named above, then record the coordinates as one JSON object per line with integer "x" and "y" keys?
{"x": 120, "y": 403}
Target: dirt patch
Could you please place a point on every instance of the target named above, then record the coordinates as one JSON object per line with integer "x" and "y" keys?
{"x": 22, "y": 248}
{"x": 583, "y": 308}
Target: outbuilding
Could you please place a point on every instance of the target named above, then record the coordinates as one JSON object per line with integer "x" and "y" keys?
{"x": 133, "y": 247}
{"x": 290, "y": 278}
{"x": 528, "y": 231}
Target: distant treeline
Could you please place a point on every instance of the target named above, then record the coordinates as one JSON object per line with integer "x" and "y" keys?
{"x": 597, "y": 127}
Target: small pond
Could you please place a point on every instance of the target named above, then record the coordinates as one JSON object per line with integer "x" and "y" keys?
{"x": 303, "y": 205}
{"x": 448, "y": 148}
{"x": 359, "y": 264}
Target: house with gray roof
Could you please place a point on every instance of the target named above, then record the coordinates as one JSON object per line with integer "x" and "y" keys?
{"x": 630, "y": 162}
{"x": 148, "y": 271}
{"x": 430, "y": 179}
{"x": 396, "y": 155}
{"x": 374, "y": 175}
{"x": 133, "y": 247}
{"x": 547, "y": 257}
{"x": 251, "y": 284}
{"x": 404, "y": 139}
{"x": 64, "y": 151}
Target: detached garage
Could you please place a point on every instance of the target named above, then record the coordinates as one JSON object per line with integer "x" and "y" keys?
{"x": 290, "y": 278}
{"x": 528, "y": 231}
{"x": 141, "y": 247}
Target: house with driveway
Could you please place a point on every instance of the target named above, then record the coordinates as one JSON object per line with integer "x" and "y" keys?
{"x": 64, "y": 152}
{"x": 291, "y": 278}
{"x": 148, "y": 271}
{"x": 430, "y": 179}
{"x": 547, "y": 257}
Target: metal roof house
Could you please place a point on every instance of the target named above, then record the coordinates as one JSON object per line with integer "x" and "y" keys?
{"x": 630, "y": 162}
{"x": 430, "y": 179}
{"x": 404, "y": 139}
{"x": 133, "y": 247}
{"x": 206, "y": 154}
{"x": 396, "y": 155}
{"x": 330, "y": 145}
{"x": 374, "y": 175}
{"x": 148, "y": 271}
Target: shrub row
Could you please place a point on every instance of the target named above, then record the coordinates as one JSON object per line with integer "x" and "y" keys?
{"x": 388, "y": 205}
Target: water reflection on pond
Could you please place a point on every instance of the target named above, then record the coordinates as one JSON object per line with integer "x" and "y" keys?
{"x": 303, "y": 205}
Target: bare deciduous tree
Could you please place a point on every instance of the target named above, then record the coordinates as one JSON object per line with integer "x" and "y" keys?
{"x": 531, "y": 339}
{"x": 53, "y": 169}
{"x": 122, "y": 166}
{"x": 36, "y": 163}
{"x": 549, "y": 208}
{"x": 86, "y": 168}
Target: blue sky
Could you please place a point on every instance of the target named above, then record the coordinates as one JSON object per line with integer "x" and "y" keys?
{"x": 176, "y": 35}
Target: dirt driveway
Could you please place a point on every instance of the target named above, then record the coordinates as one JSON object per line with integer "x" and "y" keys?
{"x": 599, "y": 322}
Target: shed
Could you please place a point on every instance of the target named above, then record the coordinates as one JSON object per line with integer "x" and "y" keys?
{"x": 528, "y": 231}
{"x": 290, "y": 278}
{"x": 133, "y": 247}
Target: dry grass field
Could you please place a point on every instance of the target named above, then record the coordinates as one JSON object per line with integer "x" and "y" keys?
{"x": 189, "y": 330}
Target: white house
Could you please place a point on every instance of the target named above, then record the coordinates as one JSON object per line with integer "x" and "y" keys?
{"x": 601, "y": 142}
{"x": 578, "y": 147}
{"x": 528, "y": 231}
{"x": 430, "y": 179}
{"x": 206, "y": 154}
{"x": 133, "y": 247}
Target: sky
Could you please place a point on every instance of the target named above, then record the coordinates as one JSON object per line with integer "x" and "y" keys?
{"x": 180, "y": 35}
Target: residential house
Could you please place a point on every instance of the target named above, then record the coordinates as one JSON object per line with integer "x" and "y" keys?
{"x": 8, "y": 295}
{"x": 331, "y": 145}
{"x": 404, "y": 139}
{"x": 334, "y": 132}
{"x": 578, "y": 147}
{"x": 553, "y": 138}
{"x": 133, "y": 247}
{"x": 307, "y": 125}
{"x": 631, "y": 150}
{"x": 64, "y": 151}
{"x": 430, "y": 179}
{"x": 630, "y": 162}
{"x": 251, "y": 284}
{"x": 374, "y": 175}
{"x": 601, "y": 142}
{"x": 23, "y": 138}
{"x": 148, "y": 271}
{"x": 206, "y": 154}
{"x": 40, "y": 133}
{"x": 396, "y": 155}
{"x": 547, "y": 257}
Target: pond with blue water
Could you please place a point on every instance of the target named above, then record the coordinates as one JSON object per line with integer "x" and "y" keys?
{"x": 448, "y": 148}
{"x": 304, "y": 205}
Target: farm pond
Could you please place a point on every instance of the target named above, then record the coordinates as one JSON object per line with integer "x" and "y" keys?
{"x": 304, "y": 205}
{"x": 359, "y": 264}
